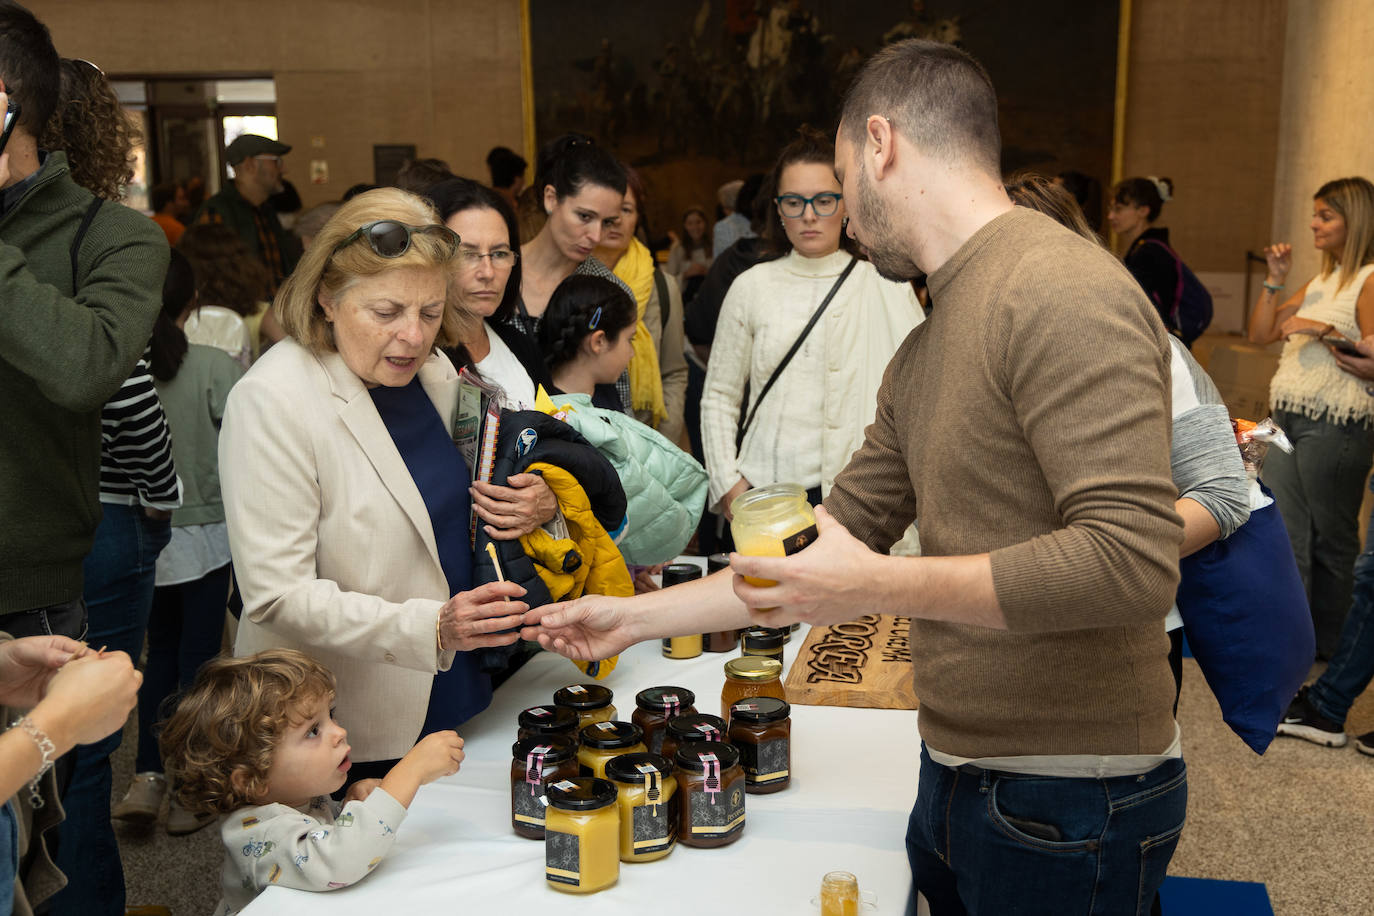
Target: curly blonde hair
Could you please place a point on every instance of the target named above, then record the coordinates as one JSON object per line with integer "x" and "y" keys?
{"x": 218, "y": 744}
{"x": 91, "y": 126}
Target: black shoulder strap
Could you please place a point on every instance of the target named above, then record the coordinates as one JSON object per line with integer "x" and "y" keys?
{"x": 81, "y": 236}
{"x": 801, "y": 338}
{"x": 661, "y": 284}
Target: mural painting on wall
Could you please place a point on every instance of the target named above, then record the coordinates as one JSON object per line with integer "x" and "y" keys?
{"x": 694, "y": 93}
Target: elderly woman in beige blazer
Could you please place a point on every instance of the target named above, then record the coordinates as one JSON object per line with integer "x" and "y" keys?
{"x": 346, "y": 499}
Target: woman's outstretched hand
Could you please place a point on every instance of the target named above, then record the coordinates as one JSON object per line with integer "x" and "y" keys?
{"x": 591, "y": 627}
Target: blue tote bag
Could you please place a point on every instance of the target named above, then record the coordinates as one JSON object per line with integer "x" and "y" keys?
{"x": 1246, "y": 617}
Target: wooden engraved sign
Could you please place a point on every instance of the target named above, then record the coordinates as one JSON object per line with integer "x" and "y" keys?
{"x": 863, "y": 662}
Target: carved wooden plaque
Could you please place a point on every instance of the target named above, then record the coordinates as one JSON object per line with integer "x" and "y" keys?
{"x": 863, "y": 662}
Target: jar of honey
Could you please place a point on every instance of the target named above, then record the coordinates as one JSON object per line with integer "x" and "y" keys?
{"x": 688, "y": 646}
{"x": 772, "y": 521}
{"x": 581, "y": 835}
{"x": 763, "y": 641}
{"x": 761, "y": 730}
{"x": 721, "y": 640}
{"x": 603, "y": 740}
{"x": 591, "y": 702}
{"x": 545, "y": 721}
{"x": 648, "y": 800}
{"x": 654, "y": 708}
{"x": 685, "y": 729}
{"x": 750, "y": 676}
{"x": 537, "y": 762}
{"x": 711, "y": 784}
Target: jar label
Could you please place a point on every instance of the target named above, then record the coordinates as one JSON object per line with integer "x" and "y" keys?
{"x": 720, "y": 818}
{"x": 529, "y": 803}
{"x": 577, "y": 689}
{"x": 655, "y": 827}
{"x": 799, "y": 541}
{"x": 563, "y": 858}
{"x": 765, "y": 762}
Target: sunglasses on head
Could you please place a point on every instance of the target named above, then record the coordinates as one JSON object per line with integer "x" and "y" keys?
{"x": 391, "y": 239}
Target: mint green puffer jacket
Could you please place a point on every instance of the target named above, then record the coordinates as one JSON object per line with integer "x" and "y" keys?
{"x": 664, "y": 486}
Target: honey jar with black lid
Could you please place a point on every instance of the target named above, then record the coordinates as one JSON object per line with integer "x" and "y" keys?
{"x": 689, "y": 645}
{"x": 536, "y": 762}
{"x": 603, "y": 740}
{"x": 761, "y": 730}
{"x": 682, "y": 730}
{"x": 721, "y": 640}
{"x": 648, "y": 802}
{"x": 711, "y": 784}
{"x": 763, "y": 641}
{"x": 545, "y": 721}
{"x": 581, "y": 835}
{"x": 591, "y": 702}
{"x": 655, "y": 706}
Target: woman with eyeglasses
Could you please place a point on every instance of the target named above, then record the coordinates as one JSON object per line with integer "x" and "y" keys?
{"x": 812, "y": 417}
{"x": 346, "y": 498}
{"x": 488, "y": 288}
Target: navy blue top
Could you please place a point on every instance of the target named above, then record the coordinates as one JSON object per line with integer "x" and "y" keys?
{"x": 442, "y": 477}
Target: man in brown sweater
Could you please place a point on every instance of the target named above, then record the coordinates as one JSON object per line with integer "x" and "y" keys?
{"x": 1026, "y": 427}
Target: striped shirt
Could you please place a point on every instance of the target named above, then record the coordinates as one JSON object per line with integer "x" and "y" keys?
{"x": 136, "y": 447}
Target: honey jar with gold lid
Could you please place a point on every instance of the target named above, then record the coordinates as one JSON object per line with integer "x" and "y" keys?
{"x": 603, "y": 740}
{"x": 581, "y": 835}
{"x": 682, "y": 730}
{"x": 750, "y": 676}
{"x": 712, "y": 787}
{"x": 648, "y": 800}
{"x": 535, "y": 763}
{"x": 655, "y": 706}
{"x": 761, "y": 730}
{"x": 591, "y": 702}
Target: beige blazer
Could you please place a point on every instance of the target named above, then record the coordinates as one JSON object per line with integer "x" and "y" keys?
{"x": 333, "y": 548}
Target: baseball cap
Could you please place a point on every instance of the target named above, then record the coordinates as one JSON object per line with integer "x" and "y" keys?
{"x": 246, "y": 145}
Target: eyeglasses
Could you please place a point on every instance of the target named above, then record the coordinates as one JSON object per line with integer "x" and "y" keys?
{"x": 793, "y": 206}
{"x": 391, "y": 239}
{"x": 501, "y": 258}
{"x": 268, "y": 158}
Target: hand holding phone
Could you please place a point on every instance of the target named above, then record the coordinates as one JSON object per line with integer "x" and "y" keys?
{"x": 11, "y": 117}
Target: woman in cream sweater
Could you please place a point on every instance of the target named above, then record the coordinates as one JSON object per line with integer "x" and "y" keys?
{"x": 814, "y": 417}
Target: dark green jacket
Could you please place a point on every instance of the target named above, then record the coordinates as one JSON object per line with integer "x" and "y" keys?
{"x": 230, "y": 208}
{"x": 63, "y": 353}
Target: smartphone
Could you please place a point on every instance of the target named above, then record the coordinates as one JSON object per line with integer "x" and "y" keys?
{"x": 11, "y": 116}
{"x": 1342, "y": 345}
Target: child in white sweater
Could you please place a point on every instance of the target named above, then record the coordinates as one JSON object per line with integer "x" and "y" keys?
{"x": 255, "y": 739}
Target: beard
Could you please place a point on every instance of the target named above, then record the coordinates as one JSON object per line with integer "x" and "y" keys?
{"x": 885, "y": 249}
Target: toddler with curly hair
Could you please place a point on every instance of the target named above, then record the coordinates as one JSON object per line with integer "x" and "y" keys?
{"x": 255, "y": 739}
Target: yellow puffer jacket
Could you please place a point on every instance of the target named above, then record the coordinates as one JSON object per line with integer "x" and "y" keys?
{"x": 587, "y": 562}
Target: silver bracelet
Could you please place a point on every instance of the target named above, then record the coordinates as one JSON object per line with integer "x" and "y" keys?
{"x": 46, "y": 748}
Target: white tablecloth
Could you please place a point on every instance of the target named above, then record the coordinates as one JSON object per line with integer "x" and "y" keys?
{"x": 854, "y": 777}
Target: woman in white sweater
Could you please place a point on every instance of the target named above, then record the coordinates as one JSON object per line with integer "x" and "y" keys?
{"x": 814, "y": 417}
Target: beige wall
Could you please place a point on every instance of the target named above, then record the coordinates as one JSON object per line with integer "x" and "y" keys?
{"x": 1326, "y": 129}
{"x": 1202, "y": 108}
{"x": 442, "y": 74}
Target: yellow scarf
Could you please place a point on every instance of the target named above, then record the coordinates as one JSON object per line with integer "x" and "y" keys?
{"x": 636, "y": 268}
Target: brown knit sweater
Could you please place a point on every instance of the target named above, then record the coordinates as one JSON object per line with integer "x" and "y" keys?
{"x": 1029, "y": 419}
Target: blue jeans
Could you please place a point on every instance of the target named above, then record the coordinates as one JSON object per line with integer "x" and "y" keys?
{"x": 1318, "y": 490}
{"x": 185, "y": 631}
{"x": 119, "y": 594}
{"x": 9, "y": 856}
{"x": 988, "y": 843}
{"x": 1352, "y": 666}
